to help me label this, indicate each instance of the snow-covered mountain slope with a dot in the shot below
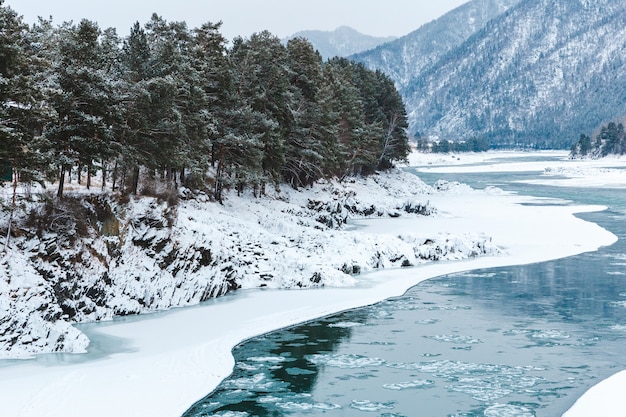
(89, 257)
(530, 72)
(540, 74)
(406, 57)
(342, 42)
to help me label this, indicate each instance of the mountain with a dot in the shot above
(404, 58)
(539, 74)
(343, 41)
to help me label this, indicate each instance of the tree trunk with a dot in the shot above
(218, 183)
(88, 177)
(114, 176)
(218, 175)
(13, 203)
(135, 185)
(104, 175)
(61, 182)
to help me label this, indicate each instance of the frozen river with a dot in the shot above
(514, 341)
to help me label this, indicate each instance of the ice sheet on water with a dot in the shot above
(445, 367)
(508, 410)
(257, 382)
(483, 382)
(588, 341)
(385, 311)
(397, 304)
(515, 332)
(248, 367)
(479, 274)
(346, 324)
(417, 384)
(446, 308)
(345, 361)
(480, 390)
(371, 406)
(427, 321)
(494, 387)
(301, 406)
(456, 339)
(269, 399)
(549, 337)
(456, 370)
(268, 359)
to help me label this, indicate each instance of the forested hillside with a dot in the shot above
(405, 58)
(177, 105)
(536, 75)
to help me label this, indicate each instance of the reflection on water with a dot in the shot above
(515, 341)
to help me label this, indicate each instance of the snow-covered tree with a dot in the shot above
(22, 109)
(305, 146)
(82, 100)
(261, 77)
(176, 104)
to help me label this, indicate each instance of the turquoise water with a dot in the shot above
(506, 342)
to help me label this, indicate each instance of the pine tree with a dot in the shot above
(304, 153)
(234, 132)
(81, 135)
(22, 108)
(357, 138)
(384, 109)
(22, 113)
(136, 61)
(261, 79)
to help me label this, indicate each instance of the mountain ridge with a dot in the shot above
(342, 42)
(537, 75)
(431, 40)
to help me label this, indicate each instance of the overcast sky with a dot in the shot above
(244, 17)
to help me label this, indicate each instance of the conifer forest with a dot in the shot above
(178, 106)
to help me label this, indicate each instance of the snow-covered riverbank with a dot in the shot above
(170, 360)
(91, 257)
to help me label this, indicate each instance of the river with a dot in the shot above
(509, 342)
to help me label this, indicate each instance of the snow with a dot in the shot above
(165, 362)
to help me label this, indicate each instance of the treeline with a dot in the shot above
(610, 141)
(178, 105)
(447, 146)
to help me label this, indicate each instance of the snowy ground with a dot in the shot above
(162, 364)
(607, 172)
